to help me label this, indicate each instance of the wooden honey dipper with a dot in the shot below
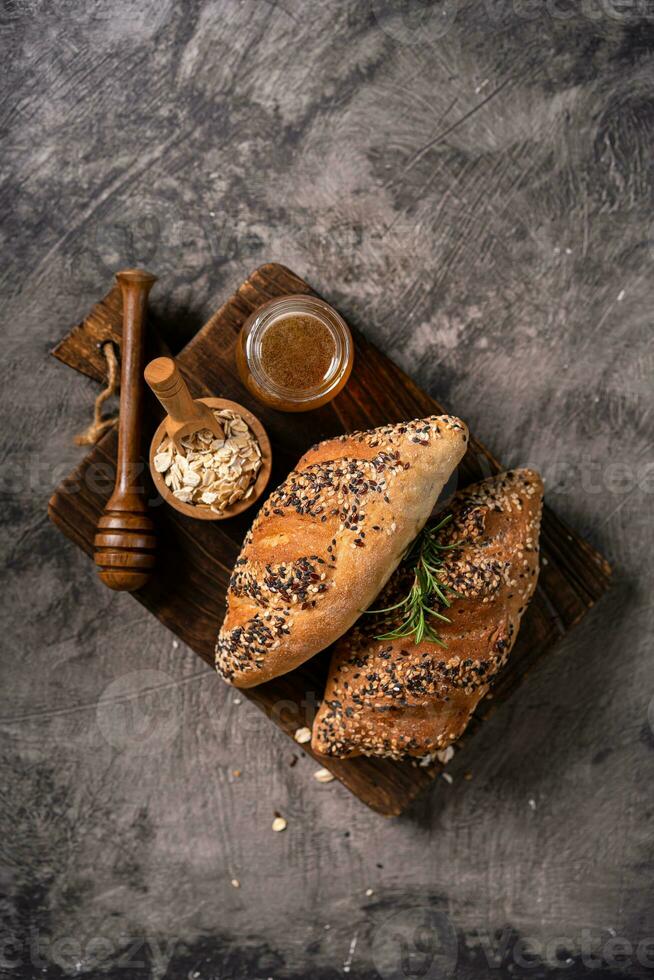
(124, 542)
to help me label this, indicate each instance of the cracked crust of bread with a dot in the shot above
(398, 699)
(326, 541)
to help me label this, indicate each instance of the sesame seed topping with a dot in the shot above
(370, 677)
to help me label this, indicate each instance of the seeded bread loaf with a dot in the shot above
(395, 698)
(326, 541)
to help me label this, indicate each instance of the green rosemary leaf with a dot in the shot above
(397, 605)
(424, 555)
(437, 615)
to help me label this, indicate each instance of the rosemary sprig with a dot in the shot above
(425, 554)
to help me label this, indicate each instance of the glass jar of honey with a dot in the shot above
(295, 353)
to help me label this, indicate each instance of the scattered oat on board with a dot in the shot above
(212, 472)
(323, 775)
(236, 883)
(278, 824)
(302, 735)
(446, 776)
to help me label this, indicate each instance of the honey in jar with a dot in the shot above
(295, 353)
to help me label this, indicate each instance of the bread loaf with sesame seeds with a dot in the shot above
(397, 699)
(326, 541)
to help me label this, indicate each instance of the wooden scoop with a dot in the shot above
(185, 415)
(124, 542)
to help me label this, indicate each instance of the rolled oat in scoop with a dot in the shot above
(212, 472)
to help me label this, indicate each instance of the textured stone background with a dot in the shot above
(471, 184)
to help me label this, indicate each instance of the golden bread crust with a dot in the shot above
(326, 541)
(395, 698)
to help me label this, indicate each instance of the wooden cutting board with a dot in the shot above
(196, 557)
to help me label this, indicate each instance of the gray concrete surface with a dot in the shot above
(471, 184)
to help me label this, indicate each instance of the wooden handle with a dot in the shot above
(169, 386)
(124, 542)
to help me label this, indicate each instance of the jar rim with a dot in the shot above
(281, 308)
